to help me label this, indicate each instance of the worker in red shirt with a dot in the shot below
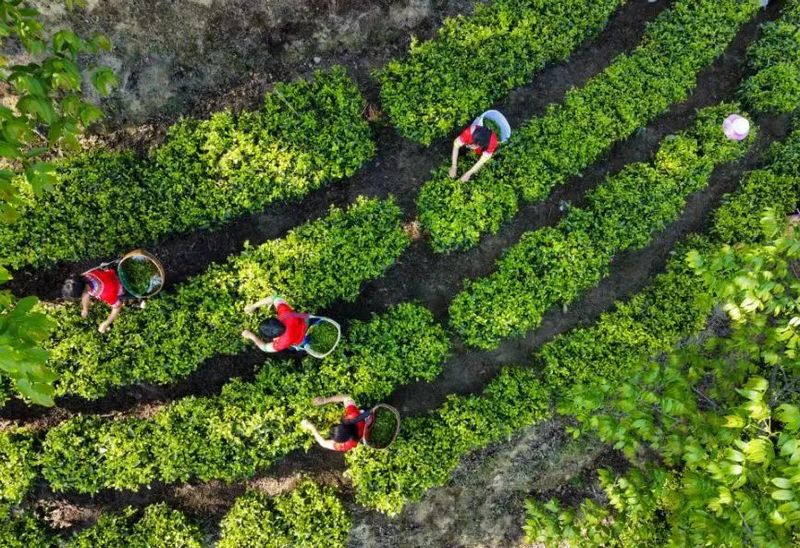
(100, 283)
(482, 141)
(348, 433)
(283, 332)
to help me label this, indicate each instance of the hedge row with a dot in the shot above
(312, 266)
(775, 86)
(548, 150)
(674, 305)
(251, 424)
(306, 134)
(555, 265)
(308, 516)
(475, 60)
(159, 526)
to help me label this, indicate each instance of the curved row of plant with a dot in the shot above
(309, 515)
(775, 86)
(251, 424)
(555, 265)
(313, 266)
(474, 60)
(675, 305)
(550, 149)
(306, 134)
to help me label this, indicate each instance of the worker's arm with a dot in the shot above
(308, 427)
(86, 301)
(485, 157)
(342, 398)
(111, 317)
(269, 301)
(262, 345)
(457, 144)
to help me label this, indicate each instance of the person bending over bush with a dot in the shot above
(482, 141)
(287, 330)
(349, 432)
(99, 283)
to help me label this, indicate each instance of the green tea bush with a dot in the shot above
(158, 526)
(474, 60)
(250, 425)
(22, 530)
(308, 516)
(306, 134)
(312, 266)
(550, 149)
(674, 306)
(652, 321)
(779, 186)
(429, 448)
(556, 265)
(775, 86)
(18, 468)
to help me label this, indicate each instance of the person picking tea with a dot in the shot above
(349, 432)
(482, 141)
(99, 283)
(287, 330)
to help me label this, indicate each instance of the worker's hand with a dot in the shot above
(465, 177)
(453, 172)
(319, 400)
(249, 309)
(247, 334)
(85, 313)
(103, 327)
(306, 425)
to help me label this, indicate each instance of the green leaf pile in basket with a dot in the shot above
(382, 431)
(323, 336)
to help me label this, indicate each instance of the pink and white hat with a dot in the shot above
(736, 127)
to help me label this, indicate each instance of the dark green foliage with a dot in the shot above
(158, 527)
(308, 516)
(775, 86)
(22, 530)
(633, 520)
(312, 266)
(474, 60)
(556, 265)
(250, 425)
(548, 150)
(305, 135)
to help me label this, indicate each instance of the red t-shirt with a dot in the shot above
(296, 327)
(466, 138)
(104, 285)
(352, 412)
